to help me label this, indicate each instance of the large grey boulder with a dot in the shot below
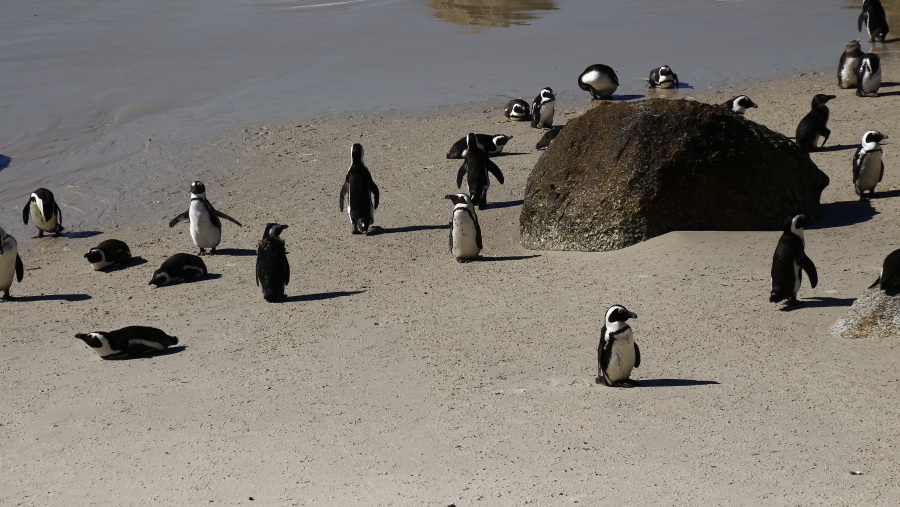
(875, 314)
(629, 171)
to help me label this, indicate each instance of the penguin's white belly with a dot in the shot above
(600, 82)
(666, 82)
(797, 279)
(869, 171)
(100, 265)
(848, 73)
(547, 112)
(465, 245)
(871, 82)
(8, 263)
(622, 358)
(203, 232)
(37, 217)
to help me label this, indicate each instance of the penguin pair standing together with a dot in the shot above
(849, 64)
(206, 228)
(788, 262)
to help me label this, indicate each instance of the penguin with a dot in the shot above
(10, 264)
(868, 168)
(600, 80)
(813, 125)
(617, 352)
(788, 260)
(272, 269)
(179, 268)
(875, 19)
(359, 184)
(206, 228)
(868, 76)
(889, 278)
(663, 77)
(44, 211)
(107, 253)
(475, 168)
(465, 232)
(739, 104)
(548, 138)
(131, 341)
(848, 64)
(491, 144)
(517, 110)
(542, 109)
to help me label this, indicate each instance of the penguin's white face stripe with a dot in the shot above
(105, 348)
(165, 276)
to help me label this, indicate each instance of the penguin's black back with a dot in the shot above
(272, 269)
(123, 339)
(359, 181)
(175, 264)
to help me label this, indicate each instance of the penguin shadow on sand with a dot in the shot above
(322, 296)
(818, 302)
(4, 161)
(674, 382)
(504, 258)
(837, 147)
(79, 234)
(844, 213)
(235, 252)
(376, 230)
(134, 261)
(503, 204)
(167, 352)
(623, 97)
(70, 298)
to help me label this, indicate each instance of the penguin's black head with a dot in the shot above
(90, 339)
(745, 102)
(873, 136)
(198, 188)
(458, 198)
(159, 278)
(618, 313)
(94, 255)
(501, 140)
(873, 61)
(796, 222)
(853, 46)
(665, 70)
(547, 94)
(356, 153)
(821, 99)
(273, 230)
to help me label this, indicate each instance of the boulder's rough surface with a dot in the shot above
(876, 314)
(626, 172)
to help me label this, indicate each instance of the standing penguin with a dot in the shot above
(542, 109)
(44, 211)
(107, 253)
(889, 278)
(813, 125)
(739, 104)
(663, 77)
(600, 80)
(475, 168)
(875, 19)
(130, 340)
(491, 144)
(617, 353)
(10, 264)
(868, 76)
(272, 269)
(359, 184)
(789, 259)
(465, 232)
(517, 110)
(850, 58)
(868, 168)
(206, 228)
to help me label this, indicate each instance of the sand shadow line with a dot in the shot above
(80, 234)
(504, 258)
(840, 214)
(377, 231)
(235, 252)
(168, 352)
(819, 302)
(675, 382)
(838, 147)
(319, 297)
(503, 204)
(52, 297)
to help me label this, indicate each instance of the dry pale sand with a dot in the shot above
(394, 376)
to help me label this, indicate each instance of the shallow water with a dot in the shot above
(89, 85)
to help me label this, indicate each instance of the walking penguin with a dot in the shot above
(465, 232)
(358, 185)
(475, 168)
(44, 212)
(617, 353)
(875, 19)
(206, 228)
(788, 261)
(272, 270)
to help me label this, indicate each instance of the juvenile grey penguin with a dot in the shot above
(44, 212)
(868, 168)
(358, 184)
(739, 104)
(179, 268)
(875, 19)
(206, 228)
(542, 109)
(475, 168)
(548, 138)
(617, 352)
(465, 232)
(600, 80)
(517, 110)
(491, 144)
(663, 77)
(10, 264)
(813, 125)
(788, 260)
(848, 64)
(889, 278)
(108, 253)
(130, 340)
(868, 76)
(272, 270)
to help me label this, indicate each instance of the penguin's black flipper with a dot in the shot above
(226, 217)
(287, 271)
(181, 217)
(451, 236)
(600, 355)
(881, 174)
(25, 211)
(459, 175)
(375, 194)
(20, 269)
(676, 79)
(637, 355)
(807, 264)
(344, 190)
(258, 252)
(876, 282)
(825, 133)
(478, 233)
(493, 169)
(860, 20)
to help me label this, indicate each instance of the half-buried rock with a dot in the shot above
(625, 172)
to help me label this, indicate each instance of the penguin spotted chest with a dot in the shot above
(617, 352)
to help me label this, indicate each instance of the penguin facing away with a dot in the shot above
(868, 167)
(272, 269)
(789, 259)
(548, 138)
(875, 20)
(868, 76)
(130, 340)
(739, 104)
(108, 253)
(179, 268)
(889, 278)
(600, 80)
(542, 109)
(517, 110)
(813, 125)
(617, 352)
(44, 212)
(663, 77)
(848, 64)
(358, 184)
(491, 144)
(206, 228)
(10, 264)
(465, 232)
(475, 168)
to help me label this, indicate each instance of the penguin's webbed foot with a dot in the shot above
(871, 194)
(202, 251)
(792, 302)
(598, 380)
(355, 231)
(212, 251)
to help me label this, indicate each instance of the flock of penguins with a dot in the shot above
(617, 352)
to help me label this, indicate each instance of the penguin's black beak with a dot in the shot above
(632, 315)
